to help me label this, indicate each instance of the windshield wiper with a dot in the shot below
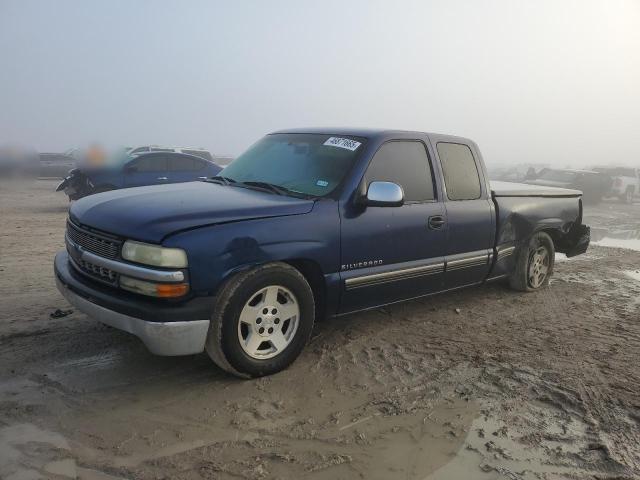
(277, 189)
(265, 186)
(219, 179)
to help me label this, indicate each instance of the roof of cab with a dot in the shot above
(370, 133)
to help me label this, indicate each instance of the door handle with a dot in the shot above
(436, 222)
(162, 178)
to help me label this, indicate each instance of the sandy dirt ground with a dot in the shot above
(484, 383)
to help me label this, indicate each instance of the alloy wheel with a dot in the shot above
(268, 322)
(538, 267)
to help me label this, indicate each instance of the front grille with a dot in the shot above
(92, 242)
(95, 271)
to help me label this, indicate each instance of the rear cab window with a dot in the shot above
(461, 176)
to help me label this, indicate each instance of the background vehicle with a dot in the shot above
(198, 152)
(56, 164)
(625, 182)
(18, 163)
(145, 169)
(594, 185)
(516, 173)
(303, 224)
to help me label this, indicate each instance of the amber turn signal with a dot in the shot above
(170, 290)
(152, 289)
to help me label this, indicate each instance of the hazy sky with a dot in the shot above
(539, 81)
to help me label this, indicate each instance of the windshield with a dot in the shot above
(557, 176)
(312, 164)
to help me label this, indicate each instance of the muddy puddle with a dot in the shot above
(633, 274)
(496, 449)
(28, 452)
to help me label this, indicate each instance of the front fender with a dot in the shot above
(218, 251)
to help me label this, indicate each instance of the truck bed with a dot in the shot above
(509, 189)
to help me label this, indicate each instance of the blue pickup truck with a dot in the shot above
(304, 224)
(156, 168)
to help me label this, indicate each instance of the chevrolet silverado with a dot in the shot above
(306, 223)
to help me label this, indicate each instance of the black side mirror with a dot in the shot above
(130, 169)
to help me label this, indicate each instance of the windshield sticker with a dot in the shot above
(322, 183)
(342, 143)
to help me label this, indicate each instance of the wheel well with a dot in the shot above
(561, 241)
(313, 273)
(554, 234)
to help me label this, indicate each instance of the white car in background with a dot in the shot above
(198, 152)
(625, 181)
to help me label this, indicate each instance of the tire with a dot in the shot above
(534, 264)
(247, 337)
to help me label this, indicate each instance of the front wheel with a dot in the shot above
(534, 264)
(261, 321)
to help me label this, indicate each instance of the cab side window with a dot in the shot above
(406, 163)
(461, 175)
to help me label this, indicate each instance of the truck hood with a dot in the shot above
(149, 214)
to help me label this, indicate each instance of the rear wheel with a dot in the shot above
(534, 264)
(261, 321)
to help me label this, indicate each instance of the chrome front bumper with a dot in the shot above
(161, 338)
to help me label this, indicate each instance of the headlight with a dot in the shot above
(154, 255)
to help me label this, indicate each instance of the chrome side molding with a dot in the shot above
(393, 276)
(475, 261)
(477, 258)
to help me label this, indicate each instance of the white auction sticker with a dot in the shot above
(342, 143)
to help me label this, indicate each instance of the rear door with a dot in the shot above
(470, 215)
(394, 253)
(148, 169)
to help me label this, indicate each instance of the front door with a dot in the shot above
(394, 253)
